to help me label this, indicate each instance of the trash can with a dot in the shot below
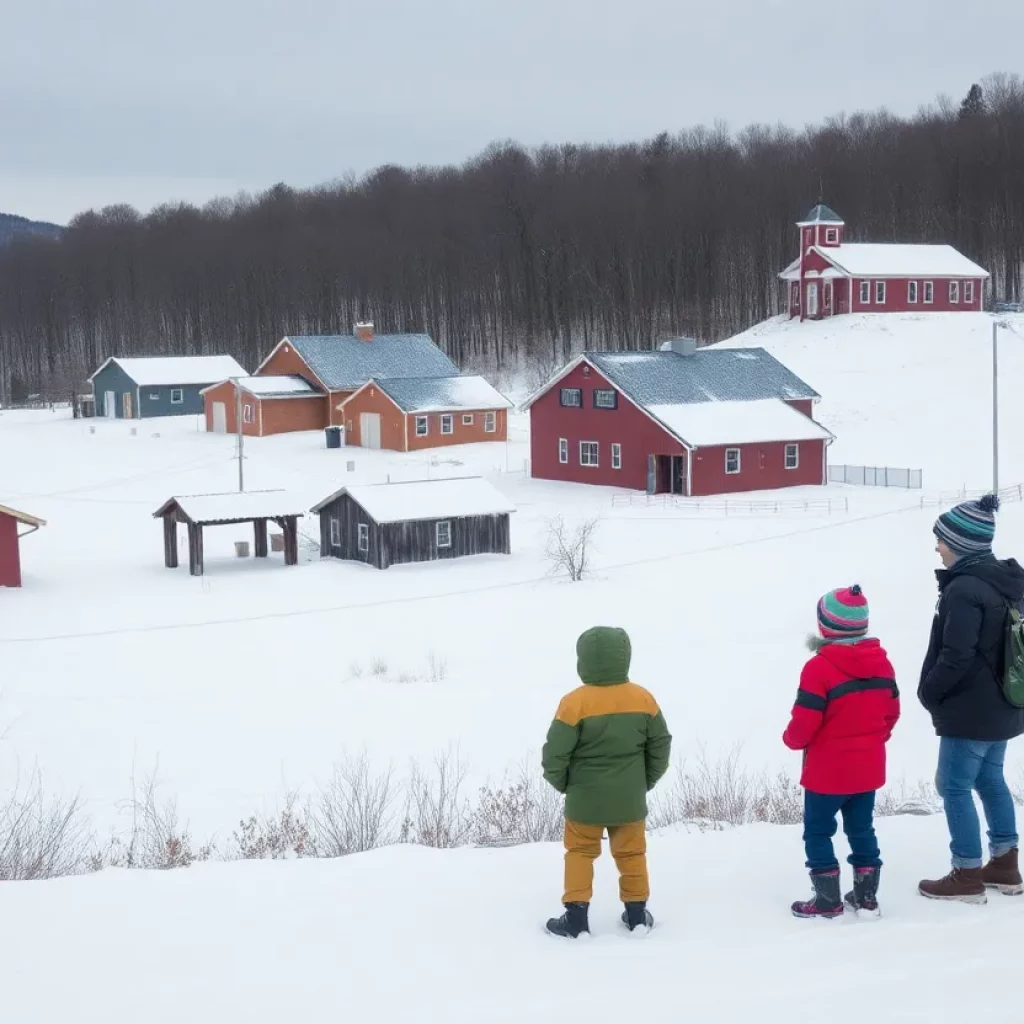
(333, 436)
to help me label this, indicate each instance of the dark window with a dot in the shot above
(335, 533)
(364, 537)
(929, 292)
(616, 456)
(447, 424)
(444, 534)
(792, 456)
(732, 461)
(588, 453)
(880, 293)
(572, 398)
(563, 450)
(606, 399)
(865, 292)
(911, 291)
(422, 425)
(177, 396)
(467, 419)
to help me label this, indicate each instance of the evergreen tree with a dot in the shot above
(973, 104)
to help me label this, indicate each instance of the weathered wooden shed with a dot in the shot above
(11, 520)
(415, 521)
(197, 511)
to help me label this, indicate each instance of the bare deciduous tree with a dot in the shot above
(569, 547)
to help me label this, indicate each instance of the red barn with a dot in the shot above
(10, 542)
(832, 276)
(681, 420)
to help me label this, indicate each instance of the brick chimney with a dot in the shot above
(364, 330)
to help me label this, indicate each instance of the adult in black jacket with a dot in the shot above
(961, 687)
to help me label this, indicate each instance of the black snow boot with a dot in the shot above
(827, 902)
(864, 898)
(572, 923)
(637, 918)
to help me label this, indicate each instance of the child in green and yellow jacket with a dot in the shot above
(606, 749)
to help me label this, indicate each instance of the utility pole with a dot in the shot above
(995, 406)
(241, 435)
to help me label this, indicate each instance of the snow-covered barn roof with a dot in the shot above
(884, 260)
(343, 362)
(451, 498)
(156, 371)
(272, 387)
(440, 394)
(234, 506)
(704, 424)
(708, 375)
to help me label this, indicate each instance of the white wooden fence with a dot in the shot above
(1007, 495)
(876, 476)
(729, 507)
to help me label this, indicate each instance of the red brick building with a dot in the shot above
(681, 420)
(831, 276)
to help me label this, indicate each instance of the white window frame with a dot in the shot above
(335, 532)
(831, 236)
(571, 391)
(880, 293)
(447, 420)
(597, 454)
(795, 450)
(865, 286)
(467, 419)
(954, 293)
(929, 292)
(912, 292)
(606, 391)
(424, 422)
(616, 455)
(447, 541)
(739, 461)
(969, 292)
(248, 413)
(363, 538)
(180, 392)
(490, 422)
(563, 451)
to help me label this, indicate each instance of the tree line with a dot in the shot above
(518, 254)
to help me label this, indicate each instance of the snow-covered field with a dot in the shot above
(256, 679)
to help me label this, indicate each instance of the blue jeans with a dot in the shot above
(858, 823)
(966, 767)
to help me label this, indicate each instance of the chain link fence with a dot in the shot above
(876, 476)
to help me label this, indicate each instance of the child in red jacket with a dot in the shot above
(845, 711)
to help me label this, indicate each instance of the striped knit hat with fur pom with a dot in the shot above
(843, 614)
(970, 528)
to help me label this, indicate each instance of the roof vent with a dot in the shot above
(363, 330)
(681, 346)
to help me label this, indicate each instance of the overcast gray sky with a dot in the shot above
(137, 101)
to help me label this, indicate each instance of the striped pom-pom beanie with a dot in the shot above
(969, 528)
(843, 614)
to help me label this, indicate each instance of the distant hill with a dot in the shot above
(12, 226)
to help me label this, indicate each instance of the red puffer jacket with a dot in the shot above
(845, 711)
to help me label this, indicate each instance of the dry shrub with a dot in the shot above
(42, 837)
(281, 837)
(568, 549)
(721, 793)
(157, 840)
(354, 812)
(436, 813)
(526, 810)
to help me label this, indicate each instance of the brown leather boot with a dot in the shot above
(961, 884)
(1002, 873)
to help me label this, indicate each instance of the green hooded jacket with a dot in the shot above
(608, 744)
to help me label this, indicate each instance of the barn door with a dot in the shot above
(369, 429)
(652, 474)
(110, 404)
(812, 299)
(220, 418)
(127, 396)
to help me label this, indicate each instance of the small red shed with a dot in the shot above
(10, 543)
